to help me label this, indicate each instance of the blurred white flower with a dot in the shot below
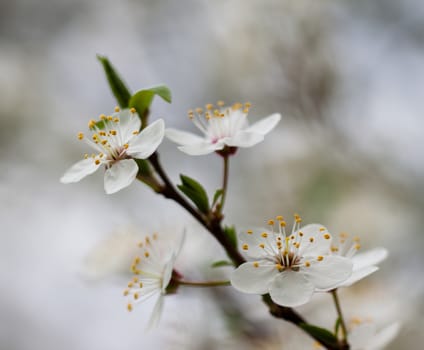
(364, 263)
(222, 126)
(366, 336)
(289, 267)
(117, 141)
(153, 271)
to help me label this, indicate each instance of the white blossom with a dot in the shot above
(117, 142)
(153, 270)
(222, 127)
(290, 267)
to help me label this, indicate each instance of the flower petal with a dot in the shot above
(79, 170)
(156, 313)
(200, 149)
(245, 139)
(291, 289)
(265, 125)
(144, 144)
(384, 337)
(357, 275)
(315, 241)
(360, 336)
(183, 137)
(369, 258)
(120, 175)
(250, 243)
(128, 123)
(328, 273)
(248, 278)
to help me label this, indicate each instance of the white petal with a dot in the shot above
(144, 144)
(319, 246)
(156, 313)
(128, 123)
(79, 170)
(265, 125)
(120, 175)
(201, 149)
(245, 139)
(384, 337)
(328, 273)
(183, 137)
(369, 258)
(291, 289)
(254, 239)
(255, 280)
(357, 275)
(167, 273)
(360, 336)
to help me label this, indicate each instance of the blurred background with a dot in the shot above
(348, 78)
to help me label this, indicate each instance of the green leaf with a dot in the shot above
(222, 263)
(216, 196)
(117, 85)
(142, 99)
(231, 233)
(322, 334)
(195, 191)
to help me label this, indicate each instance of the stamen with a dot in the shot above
(320, 258)
(117, 109)
(129, 307)
(133, 110)
(80, 136)
(327, 236)
(245, 246)
(255, 264)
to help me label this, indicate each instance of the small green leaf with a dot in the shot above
(222, 263)
(216, 196)
(142, 100)
(322, 334)
(117, 85)
(195, 191)
(231, 233)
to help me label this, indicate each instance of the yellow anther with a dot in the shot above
(357, 246)
(298, 219)
(104, 142)
(282, 223)
(80, 136)
(271, 222)
(140, 284)
(300, 233)
(220, 103)
(126, 146)
(279, 267)
(297, 245)
(356, 239)
(279, 218)
(102, 117)
(97, 162)
(248, 105)
(101, 155)
(146, 254)
(116, 120)
(311, 239)
(237, 106)
(216, 113)
(264, 234)
(249, 232)
(126, 292)
(137, 272)
(255, 264)
(245, 246)
(136, 296)
(110, 118)
(133, 110)
(129, 307)
(199, 110)
(91, 123)
(135, 279)
(208, 115)
(292, 237)
(246, 110)
(135, 132)
(102, 133)
(322, 229)
(262, 245)
(222, 115)
(209, 106)
(147, 240)
(279, 244)
(130, 285)
(334, 249)
(85, 156)
(320, 258)
(137, 260)
(117, 109)
(307, 263)
(140, 244)
(113, 132)
(327, 236)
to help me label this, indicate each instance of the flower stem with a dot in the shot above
(224, 180)
(204, 284)
(339, 312)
